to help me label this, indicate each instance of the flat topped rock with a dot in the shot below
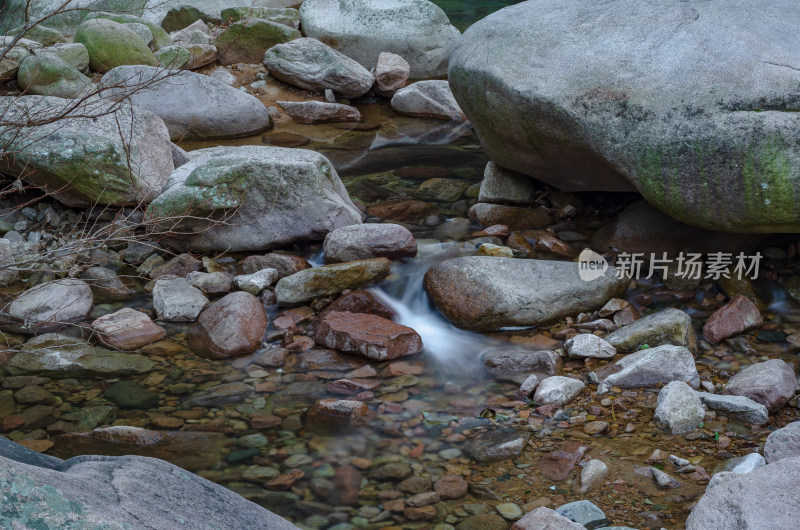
(486, 293)
(370, 336)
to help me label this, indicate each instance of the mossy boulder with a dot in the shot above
(47, 74)
(111, 44)
(247, 41)
(187, 57)
(74, 54)
(109, 155)
(41, 34)
(56, 355)
(682, 103)
(160, 37)
(64, 20)
(286, 16)
(269, 197)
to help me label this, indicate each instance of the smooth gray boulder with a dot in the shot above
(679, 409)
(53, 13)
(267, 196)
(485, 293)
(417, 30)
(739, 408)
(670, 326)
(587, 345)
(192, 105)
(10, 63)
(545, 518)
(783, 443)
(650, 367)
(47, 74)
(92, 154)
(313, 65)
(557, 92)
(174, 15)
(116, 492)
(428, 99)
(50, 306)
(502, 186)
(370, 240)
(764, 498)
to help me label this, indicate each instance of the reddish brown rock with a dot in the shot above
(517, 241)
(336, 413)
(515, 218)
(421, 513)
(735, 317)
(500, 231)
(545, 240)
(558, 465)
(349, 387)
(391, 74)
(179, 266)
(370, 336)
(403, 210)
(285, 482)
(127, 329)
(264, 421)
(347, 480)
(360, 301)
(451, 487)
(285, 264)
(231, 326)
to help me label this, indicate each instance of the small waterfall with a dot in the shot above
(455, 350)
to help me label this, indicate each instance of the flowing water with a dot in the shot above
(427, 410)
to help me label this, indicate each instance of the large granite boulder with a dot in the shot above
(54, 15)
(92, 154)
(416, 30)
(49, 306)
(485, 293)
(192, 105)
(683, 102)
(267, 196)
(115, 493)
(764, 498)
(47, 74)
(174, 15)
(247, 41)
(111, 44)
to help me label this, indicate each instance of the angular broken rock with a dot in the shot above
(670, 326)
(391, 74)
(285, 264)
(336, 413)
(233, 325)
(516, 365)
(527, 387)
(176, 300)
(318, 282)
(127, 329)
(589, 345)
(256, 282)
(679, 409)
(545, 518)
(735, 317)
(496, 446)
(771, 383)
(557, 390)
(739, 408)
(367, 335)
(650, 367)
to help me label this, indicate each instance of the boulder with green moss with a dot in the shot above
(42, 34)
(47, 74)
(74, 54)
(108, 155)
(683, 103)
(188, 57)
(267, 196)
(56, 16)
(286, 16)
(160, 37)
(246, 41)
(111, 44)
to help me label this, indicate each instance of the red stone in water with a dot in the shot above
(371, 336)
(558, 464)
(735, 317)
